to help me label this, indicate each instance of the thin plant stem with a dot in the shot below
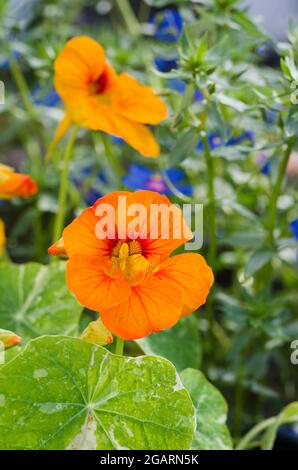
(260, 427)
(239, 397)
(24, 92)
(60, 216)
(113, 160)
(272, 216)
(175, 190)
(255, 431)
(119, 346)
(211, 205)
(129, 17)
(212, 251)
(21, 86)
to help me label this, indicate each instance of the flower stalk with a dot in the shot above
(119, 346)
(60, 216)
(272, 216)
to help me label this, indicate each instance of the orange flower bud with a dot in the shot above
(97, 333)
(15, 184)
(58, 249)
(9, 339)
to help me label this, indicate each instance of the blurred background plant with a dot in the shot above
(230, 143)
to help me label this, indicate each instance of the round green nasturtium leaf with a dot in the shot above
(65, 393)
(211, 408)
(34, 300)
(180, 344)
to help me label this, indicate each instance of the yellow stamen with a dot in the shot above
(123, 256)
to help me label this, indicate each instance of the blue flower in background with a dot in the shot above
(165, 64)
(294, 229)
(271, 116)
(50, 99)
(168, 24)
(179, 85)
(265, 164)
(265, 169)
(5, 64)
(140, 177)
(246, 135)
(215, 140)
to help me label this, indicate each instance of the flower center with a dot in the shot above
(98, 86)
(129, 258)
(156, 183)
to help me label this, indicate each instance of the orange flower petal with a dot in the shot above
(151, 307)
(58, 249)
(168, 231)
(80, 236)
(82, 60)
(138, 102)
(99, 116)
(190, 274)
(137, 135)
(92, 286)
(15, 184)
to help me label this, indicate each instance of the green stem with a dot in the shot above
(175, 190)
(129, 17)
(113, 159)
(272, 216)
(119, 346)
(60, 216)
(212, 250)
(21, 85)
(256, 430)
(24, 92)
(239, 397)
(211, 199)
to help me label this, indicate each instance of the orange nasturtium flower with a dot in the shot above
(98, 98)
(130, 278)
(15, 184)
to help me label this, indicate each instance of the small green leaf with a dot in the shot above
(232, 102)
(185, 146)
(65, 393)
(257, 261)
(180, 344)
(34, 300)
(211, 409)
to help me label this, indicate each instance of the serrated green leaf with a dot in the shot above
(180, 344)
(65, 393)
(211, 408)
(35, 301)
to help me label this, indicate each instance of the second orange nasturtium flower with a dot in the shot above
(15, 184)
(97, 98)
(133, 282)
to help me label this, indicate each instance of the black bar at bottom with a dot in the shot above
(132, 459)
